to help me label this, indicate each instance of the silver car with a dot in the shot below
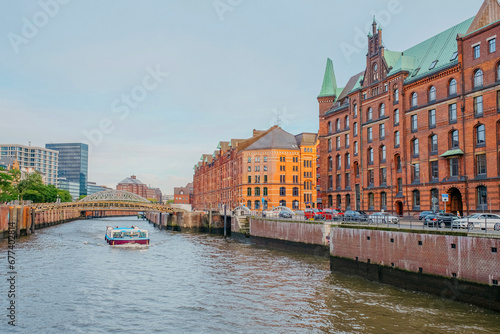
(478, 220)
(382, 218)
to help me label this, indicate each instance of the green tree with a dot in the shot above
(7, 191)
(64, 195)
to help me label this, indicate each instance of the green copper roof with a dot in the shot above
(391, 57)
(418, 59)
(329, 87)
(451, 153)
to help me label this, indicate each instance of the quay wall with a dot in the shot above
(312, 233)
(189, 221)
(455, 266)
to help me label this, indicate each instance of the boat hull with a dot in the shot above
(131, 241)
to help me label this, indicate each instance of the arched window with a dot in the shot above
(346, 124)
(348, 160)
(257, 191)
(454, 139)
(382, 110)
(398, 163)
(329, 127)
(416, 200)
(400, 185)
(355, 110)
(249, 204)
(432, 94)
(433, 144)
(249, 191)
(348, 202)
(396, 139)
(482, 197)
(414, 99)
(338, 125)
(498, 72)
(355, 130)
(330, 201)
(295, 191)
(452, 88)
(356, 168)
(369, 114)
(257, 204)
(330, 163)
(415, 147)
(265, 191)
(339, 162)
(395, 94)
(295, 205)
(383, 200)
(339, 202)
(282, 191)
(478, 78)
(370, 155)
(355, 148)
(371, 201)
(480, 135)
(264, 205)
(396, 117)
(382, 154)
(282, 202)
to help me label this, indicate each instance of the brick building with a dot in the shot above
(412, 125)
(135, 186)
(184, 195)
(269, 169)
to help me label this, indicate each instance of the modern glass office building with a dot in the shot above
(73, 163)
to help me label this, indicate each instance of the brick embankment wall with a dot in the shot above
(188, 221)
(303, 232)
(455, 266)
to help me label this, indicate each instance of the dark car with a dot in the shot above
(442, 219)
(285, 214)
(423, 214)
(356, 216)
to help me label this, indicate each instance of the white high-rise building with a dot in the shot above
(34, 158)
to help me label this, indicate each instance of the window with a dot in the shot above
(454, 56)
(382, 110)
(337, 127)
(478, 106)
(481, 164)
(480, 135)
(330, 182)
(265, 178)
(282, 202)
(355, 112)
(249, 168)
(416, 172)
(347, 180)
(396, 117)
(264, 192)
(257, 191)
(371, 200)
(339, 201)
(355, 148)
(370, 155)
(369, 114)
(249, 159)
(434, 170)
(295, 191)
(477, 51)
(433, 64)
(330, 163)
(249, 191)
(346, 125)
(329, 144)
(346, 141)
(482, 197)
(492, 45)
(257, 159)
(348, 160)
(454, 139)
(339, 162)
(355, 129)
(398, 163)
(396, 96)
(382, 131)
(453, 167)
(414, 123)
(432, 94)
(265, 168)
(396, 139)
(498, 72)
(295, 205)
(383, 200)
(337, 143)
(257, 204)
(338, 181)
(382, 154)
(416, 199)
(329, 127)
(400, 185)
(383, 176)
(265, 158)
(249, 204)
(282, 191)
(249, 179)
(433, 144)
(414, 99)
(478, 79)
(452, 112)
(452, 88)
(432, 118)
(415, 147)
(356, 168)
(369, 134)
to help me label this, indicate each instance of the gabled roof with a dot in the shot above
(488, 14)
(130, 180)
(329, 87)
(275, 137)
(307, 139)
(353, 81)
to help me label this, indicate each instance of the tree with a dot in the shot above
(7, 192)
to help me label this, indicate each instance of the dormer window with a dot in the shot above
(454, 56)
(433, 64)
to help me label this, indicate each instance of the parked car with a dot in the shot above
(331, 214)
(285, 214)
(423, 214)
(478, 220)
(310, 213)
(442, 219)
(357, 216)
(382, 218)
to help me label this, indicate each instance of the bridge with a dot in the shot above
(108, 200)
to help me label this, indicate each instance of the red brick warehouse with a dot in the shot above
(412, 125)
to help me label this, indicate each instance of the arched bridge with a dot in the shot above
(108, 200)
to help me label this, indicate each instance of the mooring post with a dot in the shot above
(225, 220)
(33, 220)
(210, 217)
(159, 221)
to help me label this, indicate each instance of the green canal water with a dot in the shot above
(68, 280)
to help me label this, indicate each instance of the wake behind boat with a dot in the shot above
(126, 235)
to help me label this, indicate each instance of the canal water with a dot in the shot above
(69, 280)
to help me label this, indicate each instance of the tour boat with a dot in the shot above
(126, 235)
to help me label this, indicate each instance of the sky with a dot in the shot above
(151, 85)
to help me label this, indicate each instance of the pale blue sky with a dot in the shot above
(229, 70)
